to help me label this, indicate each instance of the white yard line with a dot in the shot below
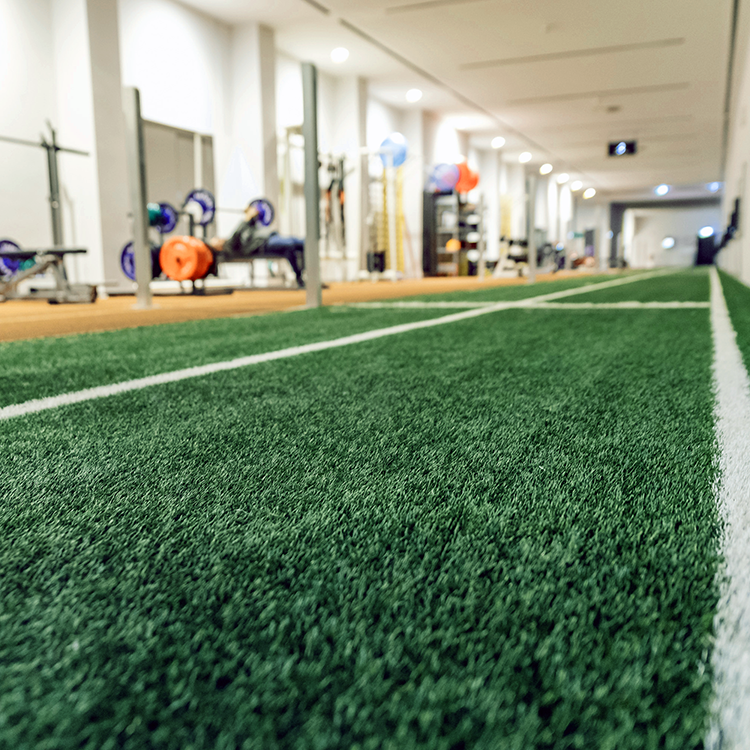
(102, 391)
(622, 305)
(730, 728)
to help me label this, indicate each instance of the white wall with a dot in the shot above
(644, 230)
(735, 258)
(27, 89)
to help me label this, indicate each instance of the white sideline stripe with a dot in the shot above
(730, 727)
(102, 391)
(622, 305)
(538, 306)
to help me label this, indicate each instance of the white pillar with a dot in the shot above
(490, 170)
(253, 120)
(89, 117)
(414, 178)
(553, 211)
(350, 137)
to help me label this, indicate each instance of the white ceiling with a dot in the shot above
(565, 76)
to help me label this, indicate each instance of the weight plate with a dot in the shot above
(9, 266)
(127, 261)
(203, 200)
(265, 211)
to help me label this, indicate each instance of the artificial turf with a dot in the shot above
(683, 286)
(521, 291)
(737, 297)
(49, 366)
(500, 533)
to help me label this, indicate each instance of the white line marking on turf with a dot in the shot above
(102, 391)
(730, 728)
(623, 305)
(540, 305)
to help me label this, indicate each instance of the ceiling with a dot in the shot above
(561, 80)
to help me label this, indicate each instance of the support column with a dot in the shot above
(350, 139)
(531, 224)
(253, 121)
(131, 104)
(313, 293)
(94, 190)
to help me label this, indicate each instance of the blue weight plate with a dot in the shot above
(169, 218)
(265, 211)
(9, 266)
(205, 199)
(127, 261)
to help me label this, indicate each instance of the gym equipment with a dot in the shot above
(393, 150)
(265, 211)
(9, 265)
(467, 180)
(163, 217)
(52, 149)
(33, 262)
(127, 261)
(186, 258)
(200, 206)
(445, 177)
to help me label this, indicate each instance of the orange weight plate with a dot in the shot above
(184, 258)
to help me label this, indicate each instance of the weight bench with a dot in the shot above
(46, 259)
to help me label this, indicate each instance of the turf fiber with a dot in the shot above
(685, 286)
(500, 533)
(737, 296)
(48, 366)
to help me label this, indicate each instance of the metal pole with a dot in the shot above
(531, 213)
(131, 104)
(54, 190)
(480, 227)
(390, 186)
(313, 293)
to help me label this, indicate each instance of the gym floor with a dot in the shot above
(495, 526)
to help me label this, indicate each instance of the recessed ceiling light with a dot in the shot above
(498, 142)
(575, 186)
(668, 243)
(706, 232)
(525, 157)
(590, 193)
(340, 54)
(714, 187)
(545, 168)
(562, 178)
(413, 95)
(662, 189)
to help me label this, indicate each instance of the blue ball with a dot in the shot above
(394, 144)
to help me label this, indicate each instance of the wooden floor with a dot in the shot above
(24, 319)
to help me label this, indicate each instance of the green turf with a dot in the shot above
(520, 291)
(684, 286)
(737, 296)
(44, 367)
(499, 533)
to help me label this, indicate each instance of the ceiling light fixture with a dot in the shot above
(413, 95)
(662, 189)
(714, 187)
(545, 169)
(576, 186)
(589, 193)
(340, 55)
(498, 142)
(668, 243)
(525, 157)
(562, 178)
(706, 232)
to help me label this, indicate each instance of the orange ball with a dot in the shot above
(184, 258)
(467, 178)
(453, 245)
